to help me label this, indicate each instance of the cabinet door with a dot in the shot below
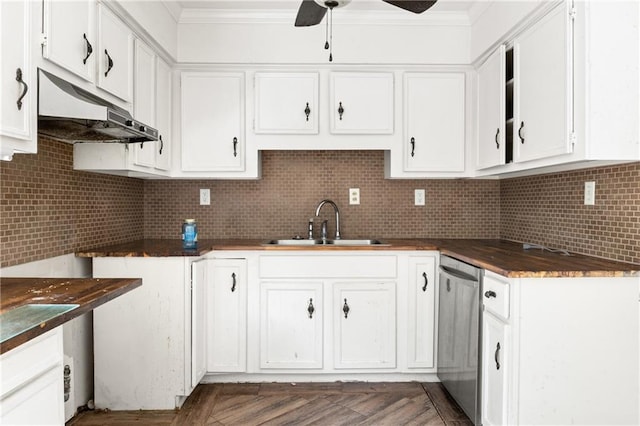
(163, 114)
(212, 122)
(361, 103)
(70, 36)
(491, 110)
(291, 325)
(31, 386)
(286, 103)
(421, 312)
(17, 80)
(115, 55)
(198, 321)
(495, 359)
(227, 316)
(144, 100)
(364, 316)
(434, 136)
(543, 88)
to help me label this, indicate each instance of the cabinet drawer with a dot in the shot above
(31, 360)
(495, 297)
(328, 266)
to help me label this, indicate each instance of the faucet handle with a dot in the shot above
(310, 229)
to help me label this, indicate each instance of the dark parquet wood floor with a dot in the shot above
(298, 404)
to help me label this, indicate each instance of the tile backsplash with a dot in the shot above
(550, 210)
(294, 182)
(48, 209)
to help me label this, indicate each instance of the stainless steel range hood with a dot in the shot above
(69, 113)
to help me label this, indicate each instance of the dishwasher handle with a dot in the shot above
(454, 273)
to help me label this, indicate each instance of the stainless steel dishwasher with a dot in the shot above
(459, 328)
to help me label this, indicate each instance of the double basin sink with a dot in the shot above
(321, 242)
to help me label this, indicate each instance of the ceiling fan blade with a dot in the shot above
(412, 5)
(310, 13)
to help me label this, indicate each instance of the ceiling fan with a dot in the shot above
(311, 12)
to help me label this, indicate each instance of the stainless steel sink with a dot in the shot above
(356, 243)
(319, 242)
(293, 242)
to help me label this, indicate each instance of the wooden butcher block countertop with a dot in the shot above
(506, 258)
(87, 293)
(509, 259)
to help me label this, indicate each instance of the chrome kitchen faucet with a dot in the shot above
(335, 208)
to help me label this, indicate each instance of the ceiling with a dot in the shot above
(278, 11)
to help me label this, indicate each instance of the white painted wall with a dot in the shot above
(353, 43)
(77, 333)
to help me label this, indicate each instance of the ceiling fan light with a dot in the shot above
(332, 3)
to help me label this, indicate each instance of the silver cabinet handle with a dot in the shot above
(233, 282)
(495, 356)
(426, 281)
(345, 308)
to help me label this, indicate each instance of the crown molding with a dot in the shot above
(341, 16)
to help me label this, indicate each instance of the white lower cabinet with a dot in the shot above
(549, 343)
(421, 312)
(291, 327)
(330, 313)
(31, 385)
(143, 339)
(364, 332)
(226, 315)
(494, 384)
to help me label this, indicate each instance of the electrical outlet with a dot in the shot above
(354, 195)
(589, 193)
(420, 197)
(205, 197)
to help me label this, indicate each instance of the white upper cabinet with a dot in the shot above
(286, 103)
(18, 110)
(212, 110)
(114, 55)
(70, 37)
(164, 116)
(543, 97)
(361, 103)
(434, 120)
(491, 111)
(144, 106)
